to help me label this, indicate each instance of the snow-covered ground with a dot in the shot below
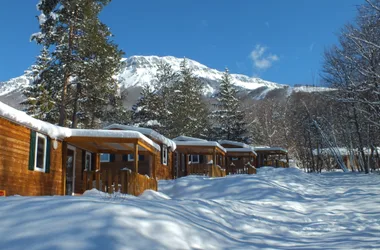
(275, 209)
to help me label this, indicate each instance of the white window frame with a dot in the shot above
(192, 159)
(131, 157)
(164, 155)
(44, 137)
(85, 159)
(108, 159)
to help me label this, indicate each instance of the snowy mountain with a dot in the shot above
(140, 70)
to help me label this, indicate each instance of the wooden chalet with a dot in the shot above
(38, 158)
(195, 156)
(164, 160)
(240, 157)
(272, 156)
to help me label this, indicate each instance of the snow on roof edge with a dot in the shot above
(187, 138)
(201, 143)
(146, 131)
(57, 132)
(241, 150)
(270, 148)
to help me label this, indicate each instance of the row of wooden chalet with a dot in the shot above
(38, 158)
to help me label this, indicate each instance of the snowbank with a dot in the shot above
(275, 209)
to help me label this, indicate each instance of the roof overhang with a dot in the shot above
(271, 150)
(200, 147)
(110, 141)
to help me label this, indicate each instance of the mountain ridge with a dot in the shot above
(139, 70)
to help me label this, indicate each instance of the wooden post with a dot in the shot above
(136, 157)
(64, 167)
(97, 162)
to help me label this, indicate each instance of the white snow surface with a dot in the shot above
(275, 209)
(187, 138)
(147, 132)
(234, 143)
(249, 150)
(200, 143)
(57, 132)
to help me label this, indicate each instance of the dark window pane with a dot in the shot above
(40, 152)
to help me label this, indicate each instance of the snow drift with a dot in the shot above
(275, 209)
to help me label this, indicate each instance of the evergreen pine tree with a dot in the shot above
(83, 59)
(40, 102)
(230, 118)
(189, 113)
(145, 112)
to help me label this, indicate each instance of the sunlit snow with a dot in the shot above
(275, 209)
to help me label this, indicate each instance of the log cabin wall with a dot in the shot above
(164, 172)
(15, 176)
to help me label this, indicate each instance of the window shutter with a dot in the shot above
(112, 157)
(47, 157)
(32, 150)
(125, 157)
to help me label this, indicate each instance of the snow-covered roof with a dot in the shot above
(265, 148)
(201, 143)
(57, 132)
(234, 143)
(187, 138)
(148, 132)
(26, 120)
(101, 133)
(245, 150)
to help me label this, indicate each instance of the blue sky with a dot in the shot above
(277, 40)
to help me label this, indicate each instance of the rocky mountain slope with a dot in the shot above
(140, 70)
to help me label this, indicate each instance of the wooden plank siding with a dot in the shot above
(163, 172)
(15, 177)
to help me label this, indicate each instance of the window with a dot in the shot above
(131, 157)
(40, 153)
(234, 158)
(194, 158)
(105, 158)
(87, 161)
(164, 155)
